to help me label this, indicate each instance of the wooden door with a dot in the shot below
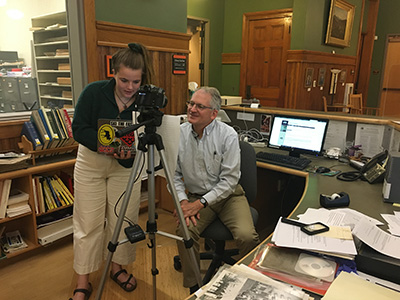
(390, 94)
(265, 42)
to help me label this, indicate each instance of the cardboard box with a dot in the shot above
(231, 100)
(64, 66)
(67, 94)
(64, 80)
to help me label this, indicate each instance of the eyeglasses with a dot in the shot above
(199, 106)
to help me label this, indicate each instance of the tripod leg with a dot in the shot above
(112, 245)
(186, 236)
(151, 223)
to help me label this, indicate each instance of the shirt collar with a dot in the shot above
(207, 130)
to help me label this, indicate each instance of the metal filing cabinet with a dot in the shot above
(28, 93)
(11, 94)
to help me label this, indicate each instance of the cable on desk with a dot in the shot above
(349, 176)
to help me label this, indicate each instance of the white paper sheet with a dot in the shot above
(370, 138)
(377, 239)
(348, 286)
(335, 136)
(286, 235)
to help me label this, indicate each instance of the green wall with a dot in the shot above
(310, 18)
(388, 23)
(232, 37)
(310, 22)
(159, 14)
(212, 10)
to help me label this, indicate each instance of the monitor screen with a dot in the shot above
(298, 135)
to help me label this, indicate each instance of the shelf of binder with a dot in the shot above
(26, 146)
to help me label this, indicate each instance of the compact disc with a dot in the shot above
(315, 266)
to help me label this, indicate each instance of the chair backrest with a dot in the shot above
(248, 169)
(356, 104)
(325, 104)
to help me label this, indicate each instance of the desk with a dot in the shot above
(364, 197)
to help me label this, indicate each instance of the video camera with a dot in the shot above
(150, 96)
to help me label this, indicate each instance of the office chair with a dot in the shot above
(216, 234)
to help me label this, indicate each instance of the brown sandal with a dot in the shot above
(87, 292)
(124, 285)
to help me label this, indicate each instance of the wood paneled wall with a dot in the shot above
(161, 44)
(297, 95)
(10, 135)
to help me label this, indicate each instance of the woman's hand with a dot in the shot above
(122, 155)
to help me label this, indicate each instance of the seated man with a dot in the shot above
(208, 168)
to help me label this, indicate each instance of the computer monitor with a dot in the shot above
(298, 135)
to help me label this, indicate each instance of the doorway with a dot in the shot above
(390, 87)
(199, 50)
(265, 42)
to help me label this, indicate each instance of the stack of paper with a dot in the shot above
(286, 235)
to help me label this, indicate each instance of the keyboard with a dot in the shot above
(298, 163)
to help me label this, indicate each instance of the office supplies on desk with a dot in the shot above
(286, 235)
(283, 264)
(310, 229)
(298, 163)
(335, 200)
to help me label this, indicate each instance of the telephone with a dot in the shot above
(374, 170)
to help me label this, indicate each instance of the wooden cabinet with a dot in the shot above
(52, 60)
(22, 179)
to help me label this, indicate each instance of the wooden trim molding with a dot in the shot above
(231, 58)
(320, 57)
(108, 32)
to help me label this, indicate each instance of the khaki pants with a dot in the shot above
(234, 212)
(99, 181)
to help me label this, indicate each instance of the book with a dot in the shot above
(61, 192)
(35, 196)
(58, 127)
(47, 195)
(56, 141)
(4, 197)
(46, 126)
(37, 122)
(17, 196)
(63, 188)
(18, 209)
(68, 139)
(29, 131)
(68, 182)
(67, 123)
(107, 141)
(54, 195)
(39, 194)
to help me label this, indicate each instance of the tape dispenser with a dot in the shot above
(335, 200)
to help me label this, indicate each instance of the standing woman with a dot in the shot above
(99, 180)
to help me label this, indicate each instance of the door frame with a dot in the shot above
(247, 18)
(205, 47)
(382, 101)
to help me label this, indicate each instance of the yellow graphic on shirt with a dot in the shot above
(106, 134)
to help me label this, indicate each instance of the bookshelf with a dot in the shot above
(52, 60)
(22, 179)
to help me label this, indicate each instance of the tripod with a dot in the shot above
(150, 138)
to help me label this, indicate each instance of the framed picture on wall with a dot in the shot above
(309, 77)
(343, 76)
(340, 23)
(321, 76)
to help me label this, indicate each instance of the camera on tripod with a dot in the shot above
(150, 96)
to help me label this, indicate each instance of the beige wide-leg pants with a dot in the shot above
(99, 181)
